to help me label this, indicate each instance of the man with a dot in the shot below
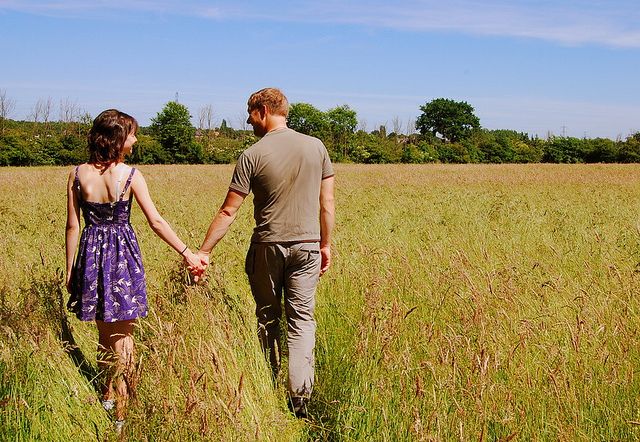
(292, 180)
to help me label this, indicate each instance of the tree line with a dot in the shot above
(446, 131)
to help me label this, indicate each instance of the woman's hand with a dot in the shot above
(68, 282)
(196, 264)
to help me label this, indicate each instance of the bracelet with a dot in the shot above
(185, 249)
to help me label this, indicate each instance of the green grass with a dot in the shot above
(464, 303)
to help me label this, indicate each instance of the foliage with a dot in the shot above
(423, 152)
(173, 129)
(14, 151)
(307, 119)
(600, 150)
(148, 150)
(223, 150)
(29, 146)
(335, 127)
(506, 146)
(449, 133)
(630, 150)
(453, 153)
(374, 149)
(453, 120)
(342, 122)
(564, 150)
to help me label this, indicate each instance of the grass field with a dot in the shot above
(470, 302)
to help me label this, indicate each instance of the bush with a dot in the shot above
(629, 151)
(14, 151)
(453, 153)
(149, 151)
(421, 153)
(564, 150)
(600, 150)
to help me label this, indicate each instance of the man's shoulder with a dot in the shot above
(287, 136)
(299, 135)
(304, 141)
(255, 149)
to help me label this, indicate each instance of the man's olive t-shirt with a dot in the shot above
(284, 170)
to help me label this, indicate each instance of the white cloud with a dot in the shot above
(571, 22)
(610, 23)
(80, 8)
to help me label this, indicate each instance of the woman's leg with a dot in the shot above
(106, 361)
(117, 339)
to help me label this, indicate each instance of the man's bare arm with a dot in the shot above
(327, 221)
(221, 222)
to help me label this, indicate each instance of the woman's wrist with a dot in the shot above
(186, 247)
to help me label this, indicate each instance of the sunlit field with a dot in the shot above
(470, 302)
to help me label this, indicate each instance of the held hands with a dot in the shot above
(204, 260)
(196, 264)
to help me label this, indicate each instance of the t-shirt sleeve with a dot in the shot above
(241, 179)
(327, 167)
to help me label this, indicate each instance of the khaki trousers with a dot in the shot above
(292, 269)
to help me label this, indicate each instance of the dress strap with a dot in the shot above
(76, 182)
(127, 184)
(120, 178)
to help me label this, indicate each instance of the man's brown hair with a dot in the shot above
(272, 98)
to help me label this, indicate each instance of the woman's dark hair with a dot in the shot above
(107, 136)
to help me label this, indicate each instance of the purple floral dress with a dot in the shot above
(108, 281)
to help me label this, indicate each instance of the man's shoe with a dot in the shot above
(298, 406)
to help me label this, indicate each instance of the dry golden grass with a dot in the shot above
(471, 302)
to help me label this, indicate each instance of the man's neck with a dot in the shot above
(275, 122)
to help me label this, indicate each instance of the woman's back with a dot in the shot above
(101, 194)
(103, 186)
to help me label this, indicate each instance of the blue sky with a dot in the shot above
(562, 67)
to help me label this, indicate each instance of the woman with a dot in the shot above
(107, 281)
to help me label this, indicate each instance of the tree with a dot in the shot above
(68, 111)
(306, 119)
(225, 130)
(629, 151)
(564, 150)
(6, 107)
(601, 150)
(396, 124)
(149, 151)
(41, 111)
(453, 120)
(342, 122)
(205, 118)
(173, 129)
(242, 121)
(205, 132)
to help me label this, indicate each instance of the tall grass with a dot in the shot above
(464, 303)
(484, 302)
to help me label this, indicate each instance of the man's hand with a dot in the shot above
(196, 264)
(325, 255)
(203, 258)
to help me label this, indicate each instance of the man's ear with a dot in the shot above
(264, 110)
